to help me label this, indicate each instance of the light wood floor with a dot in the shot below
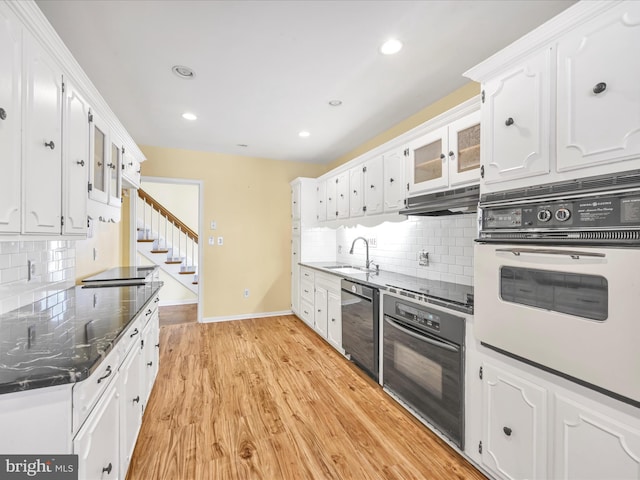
(268, 399)
(176, 314)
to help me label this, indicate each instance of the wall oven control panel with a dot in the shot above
(613, 217)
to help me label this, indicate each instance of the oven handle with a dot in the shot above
(547, 251)
(422, 338)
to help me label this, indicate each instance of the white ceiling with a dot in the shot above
(266, 69)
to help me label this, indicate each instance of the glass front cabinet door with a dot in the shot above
(100, 158)
(447, 156)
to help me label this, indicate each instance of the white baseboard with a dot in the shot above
(227, 318)
(169, 303)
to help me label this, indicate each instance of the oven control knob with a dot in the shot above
(563, 214)
(544, 215)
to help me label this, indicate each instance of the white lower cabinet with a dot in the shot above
(97, 443)
(592, 444)
(533, 425)
(321, 315)
(514, 432)
(334, 323)
(150, 355)
(131, 388)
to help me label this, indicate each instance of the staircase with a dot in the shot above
(166, 241)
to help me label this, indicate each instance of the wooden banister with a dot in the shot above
(167, 214)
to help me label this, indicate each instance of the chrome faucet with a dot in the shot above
(367, 262)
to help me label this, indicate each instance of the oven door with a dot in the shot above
(570, 310)
(426, 373)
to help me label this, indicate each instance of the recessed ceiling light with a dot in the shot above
(335, 103)
(304, 134)
(391, 46)
(183, 72)
(189, 116)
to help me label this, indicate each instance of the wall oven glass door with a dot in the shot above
(426, 372)
(571, 310)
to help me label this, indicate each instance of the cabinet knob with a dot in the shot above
(451, 154)
(3, 114)
(108, 469)
(599, 88)
(111, 165)
(157, 345)
(149, 364)
(509, 122)
(355, 192)
(50, 144)
(137, 399)
(81, 163)
(442, 156)
(507, 431)
(391, 180)
(373, 186)
(333, 319)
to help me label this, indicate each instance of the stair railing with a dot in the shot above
(178, 229)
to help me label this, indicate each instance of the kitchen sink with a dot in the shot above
(347, 269)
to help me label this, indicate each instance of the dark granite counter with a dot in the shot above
(121, 276)
(64, 337)
(451, 295)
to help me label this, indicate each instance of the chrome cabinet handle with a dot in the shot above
(81, 163)
(574, 254)
(3, 114)
(50, 144)
(109, 372)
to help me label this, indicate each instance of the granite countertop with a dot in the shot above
(447, 294)
(121, 275)
(64, 337)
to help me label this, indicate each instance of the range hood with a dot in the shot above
(451, 202)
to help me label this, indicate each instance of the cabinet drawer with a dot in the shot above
(306, 312)
(307, 274)
(306, 291)
(86, 393)
(131, 337)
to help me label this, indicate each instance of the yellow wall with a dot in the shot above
(107, 240)
(455, 98)
(250, 200)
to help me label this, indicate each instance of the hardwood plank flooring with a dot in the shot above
(176, 314)
(268, 399)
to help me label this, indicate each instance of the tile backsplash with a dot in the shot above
(448, 241)
(53, 270)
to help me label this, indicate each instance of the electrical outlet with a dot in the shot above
(246, 293)
(31, 269)
(373, 242)
(220, 241)
(214, 225)
(423, 258)
(212, 241)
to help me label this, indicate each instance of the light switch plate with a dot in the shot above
(220, 241)
(212, 241)
(214, 225)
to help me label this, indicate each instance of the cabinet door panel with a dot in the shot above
(10, 128)
(75, 165)
(321, 199)
(597, 126)
(374, 186)
(515, 119)
(100, 151)
(42, 160)
(342, 195)
(334, 320)
(321, 315)
(514, 428)
(592, 446)
(394, 187)
(464, 150)
(428, 161)
(151, 355)
(332, 203)
(356, 195)
(97, 442)
(295, 201)
(114, 174)
(130, 405)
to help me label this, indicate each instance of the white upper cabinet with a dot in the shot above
(373, 186)
(332, 204)
(446, 157)
(100, 157)
(295, 201)
(356, 193)
(342, 195)
(321, 201)
(515, 116)
(130, 170)
(394, 188)
(563, 102)
(75, 161)
(10, 121)
(599, 91)
(114, 172)
(42, 159)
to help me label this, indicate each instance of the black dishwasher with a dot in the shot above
(360, 325)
